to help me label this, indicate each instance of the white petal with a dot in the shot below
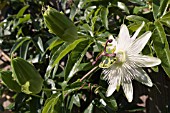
(114, 82)
(128, 90)
(110, 90)
(144, 61)
(142, 77)
(137, 31)
(124, 40)
(139, 43)
(127, 73)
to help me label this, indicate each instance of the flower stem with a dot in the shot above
(86, 75)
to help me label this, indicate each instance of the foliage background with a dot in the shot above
(62, 65)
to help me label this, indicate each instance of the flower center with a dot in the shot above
(120, 56)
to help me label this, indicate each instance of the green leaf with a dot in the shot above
(89, 109)
(21, 11)
(34, 104)
(75, 86)
(74, 100)
(53, 42)
(110, 101)
(9, 81)
(38, 43)
(60, 25)
(54, 57)
(155, 8)
(75, 58)
(24, 19)
(20, 100)
(24, 49)
(159, 8)
(163, 7)
(53, 104)
(142, 3)
(73, 12)
(104, 14)
(88, 13)
(165, 19)
(123, 7)
(161, 46)
(27, 76)
(66, 50)
(135, 18)
(18, 44)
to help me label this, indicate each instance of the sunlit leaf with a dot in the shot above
(122, 6)
(24, 19)
(135, 18)
(21, 11)
(138, 2)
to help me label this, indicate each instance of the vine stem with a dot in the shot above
(44, 89)
(86, 75)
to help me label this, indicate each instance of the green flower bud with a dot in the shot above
(60, 25)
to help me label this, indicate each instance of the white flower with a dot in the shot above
(128, 62)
